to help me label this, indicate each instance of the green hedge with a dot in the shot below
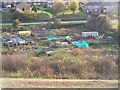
(77, 16)
(50, 10)
(9, 17)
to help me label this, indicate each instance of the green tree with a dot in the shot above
(25, 15)
(34, 8)
(73, 6)
(18, 14)
(57, 23)
(16, 24)
(99, 23)
(59, 7)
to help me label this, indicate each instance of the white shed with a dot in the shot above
(64, 44)
(94, 34)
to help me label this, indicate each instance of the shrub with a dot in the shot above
(40, 53)
(34, 8)
(77, 51)
(57, 23)
(34, 63)
(29, 15)
(18, 14)
(46, 71)
(13, 62)
(26, 15)
(43, 16)
(59, 7)
(100, 23)
(16, 24)
(75, 64)
(12, 10)
(48, 25)
(73, 6)
(105, 67)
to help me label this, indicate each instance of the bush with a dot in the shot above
(78, 51)
(18, 14)
(57, 23)
(105, 67)
(99, 23)
(43, 16)
(29, 15)
(34, 8)
(13, 62)
(48, 25)
(59, 7)
(26, 15)
(75, 64)
(16, 24)
(73, 6)
(12, 10)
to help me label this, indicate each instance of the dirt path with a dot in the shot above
(38, 83)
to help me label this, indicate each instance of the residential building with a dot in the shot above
(100, 7)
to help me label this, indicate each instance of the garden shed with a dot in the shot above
(25, 33)
(93, 34)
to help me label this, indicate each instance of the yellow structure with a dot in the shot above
(25, 33)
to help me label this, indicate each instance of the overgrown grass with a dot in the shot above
(3, 49)
(7, 16)
(73, 64)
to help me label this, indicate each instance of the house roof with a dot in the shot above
(103, 3)
(93, 4)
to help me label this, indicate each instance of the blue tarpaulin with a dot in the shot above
(40, 48)
(82, 44)
(20, 40)
(52, 39)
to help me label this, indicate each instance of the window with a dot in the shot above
(23, 9)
